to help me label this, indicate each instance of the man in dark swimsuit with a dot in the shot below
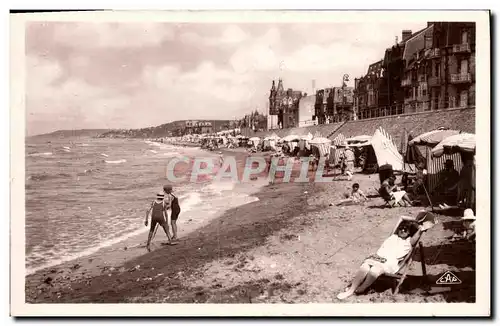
(172, 202)
(158, 212)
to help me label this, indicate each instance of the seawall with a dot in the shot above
(414, 124)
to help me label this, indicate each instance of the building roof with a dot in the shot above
(416, 43)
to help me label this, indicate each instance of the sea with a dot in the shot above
(84, 194)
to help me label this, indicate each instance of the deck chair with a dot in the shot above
(388, 200)
(404, 264)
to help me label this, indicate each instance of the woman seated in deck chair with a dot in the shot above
(389, 256)
(392, 194)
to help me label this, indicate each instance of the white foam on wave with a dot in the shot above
(66, 147)
(153, 151)
(190, 200)
(105, 155)
(86, 252)
(172, 154)
(116, 162)
(41, 154)
(219, 186)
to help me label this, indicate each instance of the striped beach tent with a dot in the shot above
(432, 138)
(461, 143)
(436, 164)
(387, 152)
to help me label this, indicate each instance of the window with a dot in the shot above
(464, 67)
(465, 37)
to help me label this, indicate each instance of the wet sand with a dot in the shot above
(288, 247)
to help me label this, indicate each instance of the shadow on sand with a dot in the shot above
(426, 286)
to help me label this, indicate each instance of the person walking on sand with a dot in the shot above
(158, 211)
(172, 203)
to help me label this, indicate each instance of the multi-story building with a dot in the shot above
(334, 104)
(367, 91)
(284, 105)
(198, 127)
(442, 71)
(431, 69)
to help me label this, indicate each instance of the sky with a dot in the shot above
(132, 74)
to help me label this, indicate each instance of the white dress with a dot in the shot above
(393, 250)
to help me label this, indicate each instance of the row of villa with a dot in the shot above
(431, 69)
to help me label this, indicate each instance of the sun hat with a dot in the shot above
(468, 214)
(160, 196)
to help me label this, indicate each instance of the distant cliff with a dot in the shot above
(164, 130)
(74, 133)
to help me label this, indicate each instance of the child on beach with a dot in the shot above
(158, 211)
(357, 195)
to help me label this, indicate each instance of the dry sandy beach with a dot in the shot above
(288, 247)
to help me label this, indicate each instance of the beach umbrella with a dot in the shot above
(309, 136)
(291, 138)
(463, 143)
(254, 139)
(320, 140)
(432, 138)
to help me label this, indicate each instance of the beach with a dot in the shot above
(289, 246)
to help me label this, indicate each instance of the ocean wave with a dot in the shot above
(105, 155)
(153, 151)
(47, 176)
(41, 154)
(65, 257)
(88, 171)
(219, 187)
(116, 162)
(190, 200)
(172, 154)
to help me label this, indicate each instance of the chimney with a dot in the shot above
(406, 35)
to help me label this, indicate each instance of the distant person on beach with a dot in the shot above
(387, 258)
(349, 161)
(172, 203)
(158, 211)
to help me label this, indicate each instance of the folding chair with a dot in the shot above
(404, 264)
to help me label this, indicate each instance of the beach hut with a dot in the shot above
(322, 144)
(463, 144)
(435, 164)
(337, 149)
